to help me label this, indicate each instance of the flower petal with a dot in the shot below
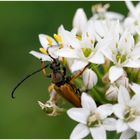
(41, 56)
(115, 73)
(80, 131)
(109, 124)
(121, 126)
(129, 23)
(80, 20)
(133, 63)
(135, 54)
(89, 78)
(98, 132)
(78, 65)
(88, 103)
(126, 42)
(107, 45)
(97, 58)
(100, 27)
(67, 52)
(53, 50)
(78, 114)
(90, 30)
(118, 110)
(138, 135)
(135, 87)
(123, 96)
(112, 93)
(135, 124)
(105, 110)
(135, 102)
(44, 42)
(131, 8)
(69, 39)
(114, 16)
(127, 134)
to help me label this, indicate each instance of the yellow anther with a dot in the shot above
(61, 46)
(42, 50)
(49, 41)
(79, 37)
(92, 42)
(58, 38)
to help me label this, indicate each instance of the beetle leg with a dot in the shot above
(64, 71)
(78, 92)
(48, 76)
(78, 74)
(43, 70)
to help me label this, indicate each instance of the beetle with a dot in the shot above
(62, 84)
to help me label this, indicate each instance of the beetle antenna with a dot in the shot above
(33, 73)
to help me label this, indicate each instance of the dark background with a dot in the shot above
(20, 24)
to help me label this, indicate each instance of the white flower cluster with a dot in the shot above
(109, 44)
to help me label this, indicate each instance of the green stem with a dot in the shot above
(97, 96)
(96, 70)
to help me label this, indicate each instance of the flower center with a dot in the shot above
(129, 114)
(120, 57)
(93, 120)
(87, 51)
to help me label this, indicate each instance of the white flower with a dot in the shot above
(132, 22)
(100, 13)
(122, 52)
(128, 113)
(79, 20)
(112, 92)
(46, 42)
(82, 51)
(105, 28)
(92, 119)
(89, 78)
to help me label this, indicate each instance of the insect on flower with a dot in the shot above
(62, 84)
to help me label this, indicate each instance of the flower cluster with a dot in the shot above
(106, 48)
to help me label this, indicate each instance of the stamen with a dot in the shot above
(93, 120)
(130, 114)
(42, 50)
(79, 37)
(120, 57)
(49, 41)
(58, 38)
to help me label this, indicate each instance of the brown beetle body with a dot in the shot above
(63, 84)
(70, 93)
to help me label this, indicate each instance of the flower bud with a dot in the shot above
(89, 78)
(123, 80)
(79, 20)
(112, 93)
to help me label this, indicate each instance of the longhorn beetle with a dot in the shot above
(62, 84)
